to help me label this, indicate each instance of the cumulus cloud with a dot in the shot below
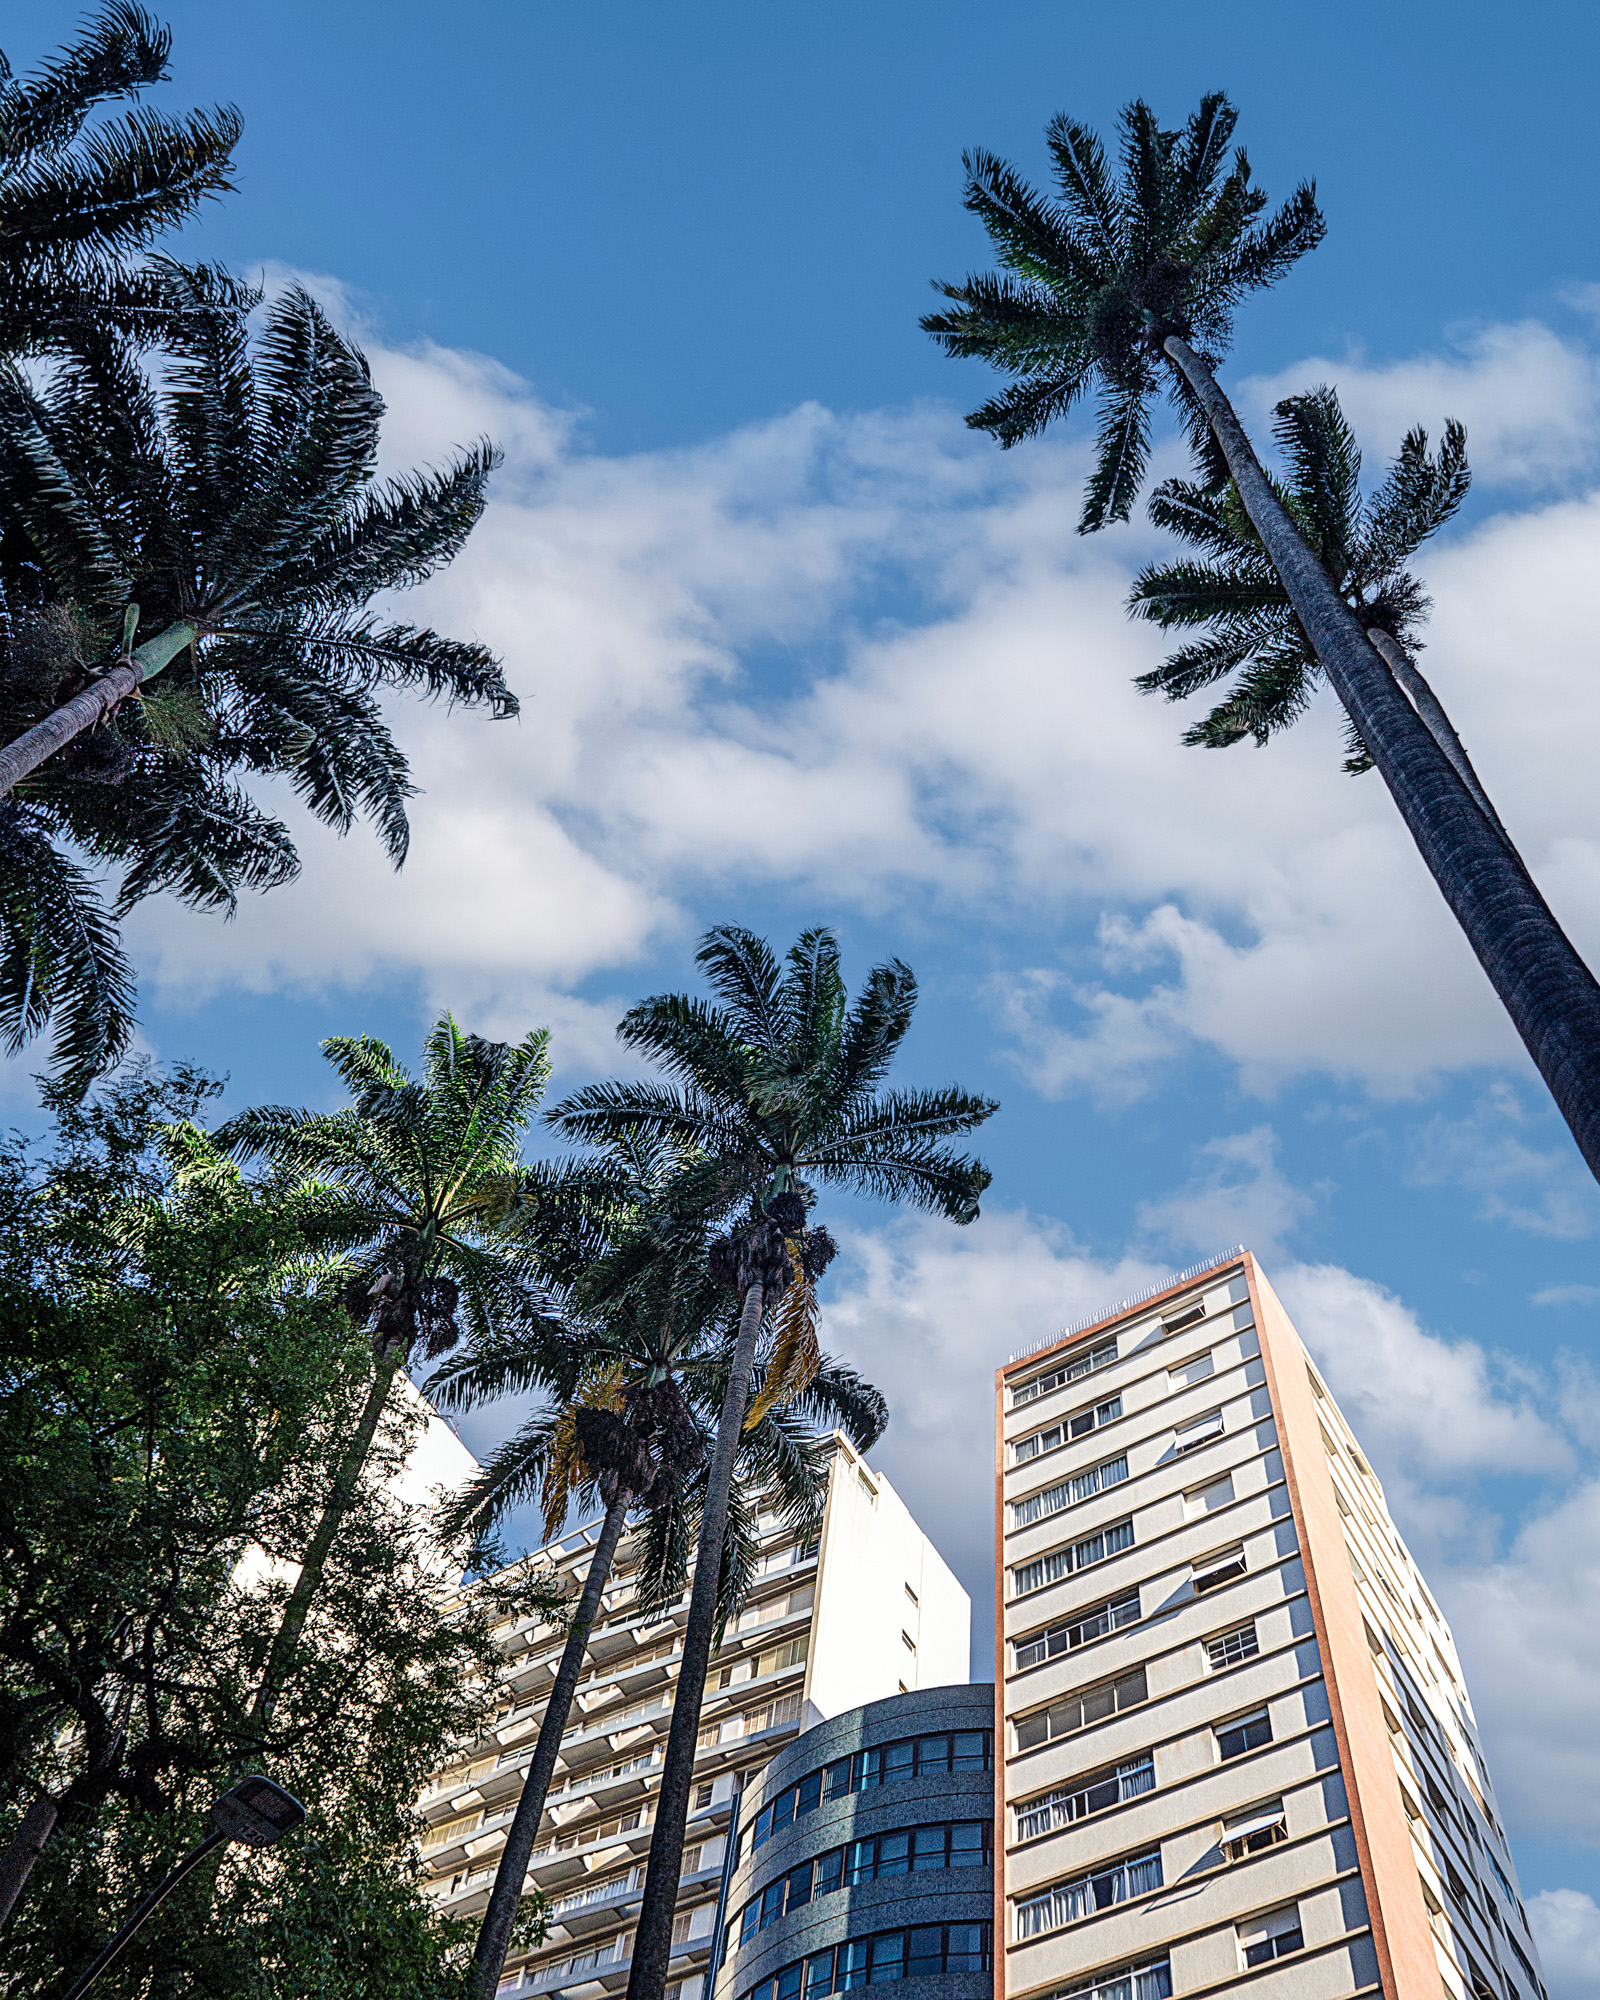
(1566, 1924)
(1544, 1189)
(865, 658)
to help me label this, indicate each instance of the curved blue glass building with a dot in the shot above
(865, 1856)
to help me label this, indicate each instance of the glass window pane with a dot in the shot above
(819, 1975)
(788, 1983)
(968, 1843)
(933, 1753)
(852, 1965)
(897, 1761)
(829, 1869)
(869, 1768)
(927, 1950)
(888, 1956)
(858, 1862)
(930, 1847)
(965, 1951)
(838, 1778)
(799, 1887)
(894, 1853)
(808, 1794)
(783, 1809)
(969, 1750)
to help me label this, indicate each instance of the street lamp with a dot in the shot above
(254, 1811)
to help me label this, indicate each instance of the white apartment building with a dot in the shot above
(1235, 1748)
(866, 1610)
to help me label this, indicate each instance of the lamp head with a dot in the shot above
(256, 1812)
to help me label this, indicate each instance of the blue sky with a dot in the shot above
(794, 647)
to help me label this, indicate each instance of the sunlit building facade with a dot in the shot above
(1234, 1745)
(867, 1610)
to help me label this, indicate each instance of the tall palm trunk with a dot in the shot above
(28, 751)
(1550, 994)
(652, 1940)
(494, 1935)
(1431, 709)
(346, 1478)
(22, 1850)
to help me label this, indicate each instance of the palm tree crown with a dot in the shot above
(78, 200)
(232, 510)
(418, 1176)
(1099, 279)
(777, 1088)
(1256, 641)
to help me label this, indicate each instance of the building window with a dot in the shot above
(1198, 1431)
(1079, 1631)
(1094, 1704)
(1248, 1732)
(1067, 1902)
(1179, 1317)
(911, 1593)
(1187, 1373)
(922, 1952)
(702, 1797)
(1113, 1786)
(1275, 1935)
(1213, 1571)
(915, 1850)
(907, 1757)
(1082, 1486)
(1208, 1498)
(1076, 1426)
(1150, 1981)
(1248, 1833)
(1083, 1363)
(1077, 1555)
(1229, 1648)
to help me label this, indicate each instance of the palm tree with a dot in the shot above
(1128, 284)
(415, 1179)
(77, 201)
(233, 509)
(630, 1394)
(1256, 639)
(776, 1091)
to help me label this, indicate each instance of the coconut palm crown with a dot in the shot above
(1256, 642)
(1098, 278)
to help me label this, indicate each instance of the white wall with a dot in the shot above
(871, 1551)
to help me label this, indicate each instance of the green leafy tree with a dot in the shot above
(1256, 641)
(81, 197)
(776, 1091)
(628, 1399)
(409, 1185)
(228, 505)
(1125, 285)
(175, 1371)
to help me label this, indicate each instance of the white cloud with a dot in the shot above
(1565, 1295)
(1237, 1195)
(1548, 1191)
(1566, 1926)
(717, 707)
(1529, 399)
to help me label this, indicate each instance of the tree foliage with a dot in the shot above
(1256, 642)
(1094, 281)
(176, 1367)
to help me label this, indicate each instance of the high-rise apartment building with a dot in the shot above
(867, 1610)
(1235, 1748)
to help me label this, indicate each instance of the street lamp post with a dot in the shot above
(255, 1811)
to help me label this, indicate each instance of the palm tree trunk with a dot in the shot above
(652, 1940)
(22, 1851)
(347, 1477)
(1431, 709)
(29, 750)
(1550, 994)
(494, 1935)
